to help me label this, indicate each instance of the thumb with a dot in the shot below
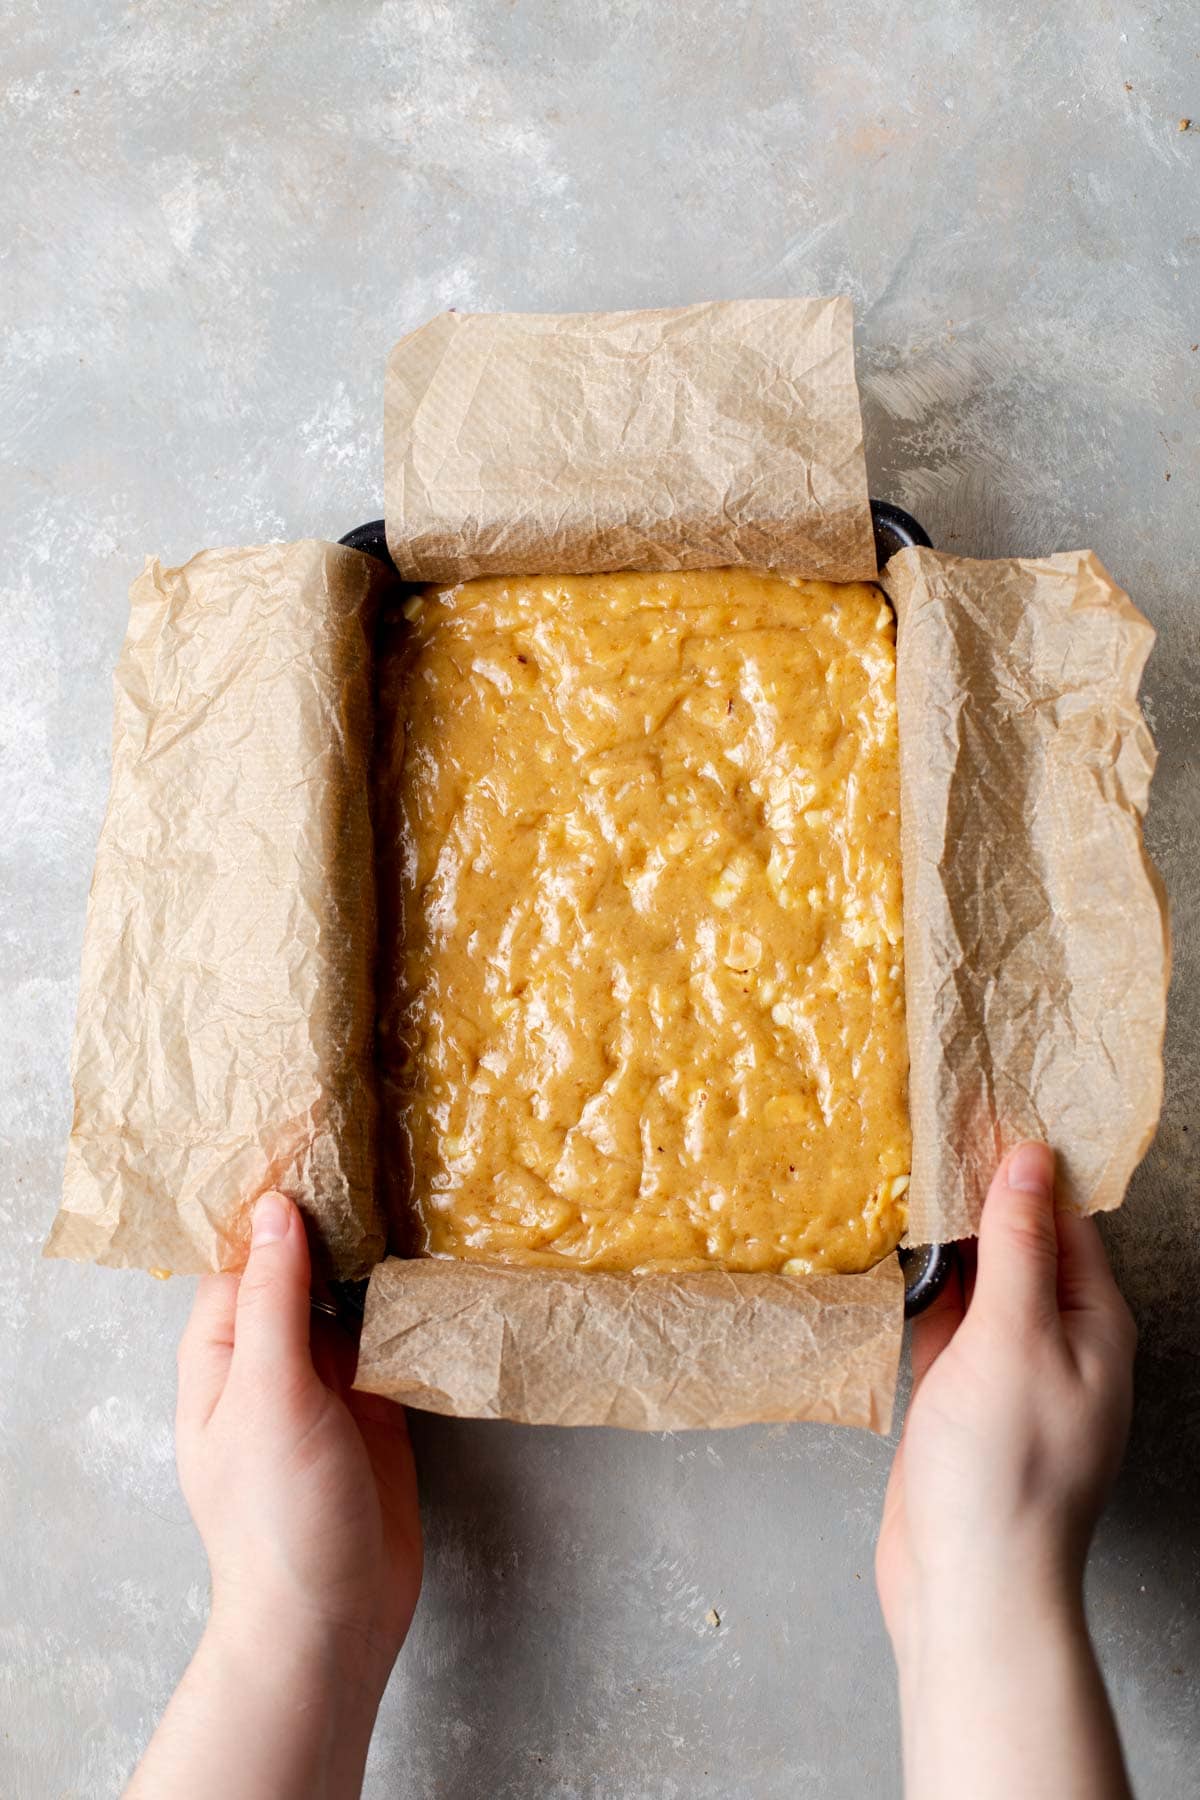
(271, 1323)
(1018, 1242)
(1093, 1309)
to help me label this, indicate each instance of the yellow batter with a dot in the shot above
(642, 984)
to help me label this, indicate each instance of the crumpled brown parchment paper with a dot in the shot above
(654, 1352)
(692, 438)
(681, 439)
(1036, 943)
(223, 1043)
(226, 1013)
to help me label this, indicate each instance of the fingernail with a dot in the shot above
(271, 1215)
(1031, 1170)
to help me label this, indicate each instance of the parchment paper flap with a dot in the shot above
(566, 443)
(655, 1353)
(224, 1035)
(1036, 944)
(225, 1022)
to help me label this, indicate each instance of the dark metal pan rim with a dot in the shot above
(894, 530)
(926, 1266)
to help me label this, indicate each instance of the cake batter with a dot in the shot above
(640, 867)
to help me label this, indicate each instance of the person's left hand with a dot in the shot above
(303, 1491)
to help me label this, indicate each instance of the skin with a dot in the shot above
(1022, 1397)
(305, 1498)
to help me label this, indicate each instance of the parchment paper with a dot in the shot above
(693, 438)
(1036, 943)
(225, 1022)
(525, 443)
(1035, 947)
(223, 1040)
(658, 1353)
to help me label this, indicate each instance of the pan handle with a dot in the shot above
(926, 1271)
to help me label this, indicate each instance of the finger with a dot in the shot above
(334, 1354)
(270, 1332)
(1018, 1242)
(933, 1329)
(384, 1427)
(205, 1349)
(1088, 1295)
(377, 1410)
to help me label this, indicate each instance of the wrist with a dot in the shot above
(988, 1605)
(301, 1655)
(999, 1688)
(295, 1700)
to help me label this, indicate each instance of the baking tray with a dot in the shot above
(926, 1266)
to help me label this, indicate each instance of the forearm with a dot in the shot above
(1001, 1694)
(284, 1713)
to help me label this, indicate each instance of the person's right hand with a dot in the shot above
(1022, 1391)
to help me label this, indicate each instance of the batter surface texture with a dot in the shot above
(642, 987)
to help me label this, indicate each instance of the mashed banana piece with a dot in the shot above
(642, 966)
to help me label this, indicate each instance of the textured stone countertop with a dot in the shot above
(215, 221)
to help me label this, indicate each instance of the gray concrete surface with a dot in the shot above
(214, 219)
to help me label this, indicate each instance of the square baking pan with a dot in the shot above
(926, 1266)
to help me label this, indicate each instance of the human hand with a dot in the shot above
(1022, 1391)
(303, 1491)
(305, 1496)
